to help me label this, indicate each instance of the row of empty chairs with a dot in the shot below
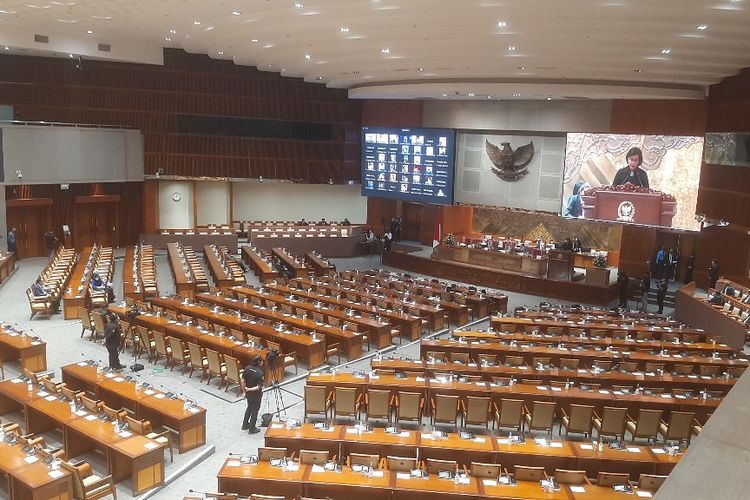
(103, 264)
(139, 273)
(55, 276)
(405, 406)
(192, 267)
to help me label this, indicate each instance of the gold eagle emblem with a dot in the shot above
(509, 165)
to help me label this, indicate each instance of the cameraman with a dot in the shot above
(252, 384)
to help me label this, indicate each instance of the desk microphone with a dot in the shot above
(90, 359)
(170, 393)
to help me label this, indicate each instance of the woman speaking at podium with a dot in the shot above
(632, 173)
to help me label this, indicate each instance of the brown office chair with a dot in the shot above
(266, 454)
(198, 360)
(542, 416)
(378, 404)
(409, 406)
(570, 364)
(285, 359)
(313, 456)
(372, 461)
(679, 427)
(478, 469)
(317, 402)
(510, 414)
(612, 478)
(401, 464)
(346, 402)
(179, 353)
(574, 477)
(476, 411)
(526, 473)
(612, 422)
(87, 485)
(650, 482)
(144, 428)
(444, 409)
(216, 367)
(646, 426)
(161, 348)
(435, 466)
(234, 373)
(579, 421)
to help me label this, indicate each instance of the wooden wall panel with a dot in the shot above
(458, 220)
(380, 211)
(637, 247)
(153, 98)
(391, 113)
(671, 117)
(730, 247)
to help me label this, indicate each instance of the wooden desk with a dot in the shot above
(350, 341)
(321, 265)
(378, 332)
(546, 375)
(409, 325)
(263, 478)
(299, 269)
(312, 350)
(31, 480)
(260, 266)
(519, 324)
(184, 283)
(608, 342)
(78, 286)
(223, 278)
(128, 459)
(31, 352)
(699, 314)
(7, 265)
(150, 404)
(508, 262)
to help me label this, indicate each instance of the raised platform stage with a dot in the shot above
(698, 313)
(504, 280)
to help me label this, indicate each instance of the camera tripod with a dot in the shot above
(276, 392)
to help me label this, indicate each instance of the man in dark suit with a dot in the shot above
(251, 383)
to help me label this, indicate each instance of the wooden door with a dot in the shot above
(31, 224)
(95, 223)
(411, 221)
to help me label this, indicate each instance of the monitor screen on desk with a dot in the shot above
(408, 164)
(641, 179)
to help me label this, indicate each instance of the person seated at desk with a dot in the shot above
(98, 284)
(632, 173)
(38, 288)
(369, 235)
(567, 245)
(346, 222)
(323, 222)
(387, 240)
(303, 222)
(577, 247)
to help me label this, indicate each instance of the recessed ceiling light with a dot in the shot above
(638, 70)
(71, 56)
(489, 97)
(268, 46)
(516, 94)
(307, 56)
(502, 24)
(385, 51)
(196, 23)
(173, 31)
(255, 40)
(7, 48)
(221, 52)
(511, 48)
(471, 95)
(444, 95)
(549, 98)
(90, 32)
(318, 78)
(702, 27)
(236, 13)
(298, 5)
(168, 39)
(420, 69)
(666, 51)
(522, 68)
(344, 29)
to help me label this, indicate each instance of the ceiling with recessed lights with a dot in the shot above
(442, 49)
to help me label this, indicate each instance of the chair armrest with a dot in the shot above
(565, 415)
(594, 415)
(432, 404)
(629, 419)
(381, 464)
(525, 411)
(394, 401)
(697, 422)
(101, 482)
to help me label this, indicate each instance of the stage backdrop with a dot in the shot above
(539, 189)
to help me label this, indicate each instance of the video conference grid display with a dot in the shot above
(408, 164)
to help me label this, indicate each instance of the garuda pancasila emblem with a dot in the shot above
(509, 165)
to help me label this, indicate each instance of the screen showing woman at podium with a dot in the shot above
(658, 185)
(632, 173)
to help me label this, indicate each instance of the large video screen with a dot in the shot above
(639, 179)
(408, 164)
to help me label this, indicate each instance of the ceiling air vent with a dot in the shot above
(105, 47)
(41, 38)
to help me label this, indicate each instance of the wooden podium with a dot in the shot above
(629, 204)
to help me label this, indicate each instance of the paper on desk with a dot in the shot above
(90, 418)
(55, 474)
(643, 494)
(159, 396)
(555, 444)
(658, 451)
(556, 389)
(420, 379)
(479, 440)
(426, 435)
(81, 363)
(633, 450)
(16, 381)
(50, 398)
(193, 409)
(150, 446)
(125, 434)
(110, 375)
(317, 468)
(403, 475)
(81, 413)
(587, 447)
(233, 463)
(119, 379)
(31, 459)
(503, 441)
(378, 473)
(578, 489)
(277, 426)
(489, 482)
(404, 434)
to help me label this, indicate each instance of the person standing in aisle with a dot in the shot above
(661, 293)
(645, 289)
(251, 383)
(623, 282)
(112, 337)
